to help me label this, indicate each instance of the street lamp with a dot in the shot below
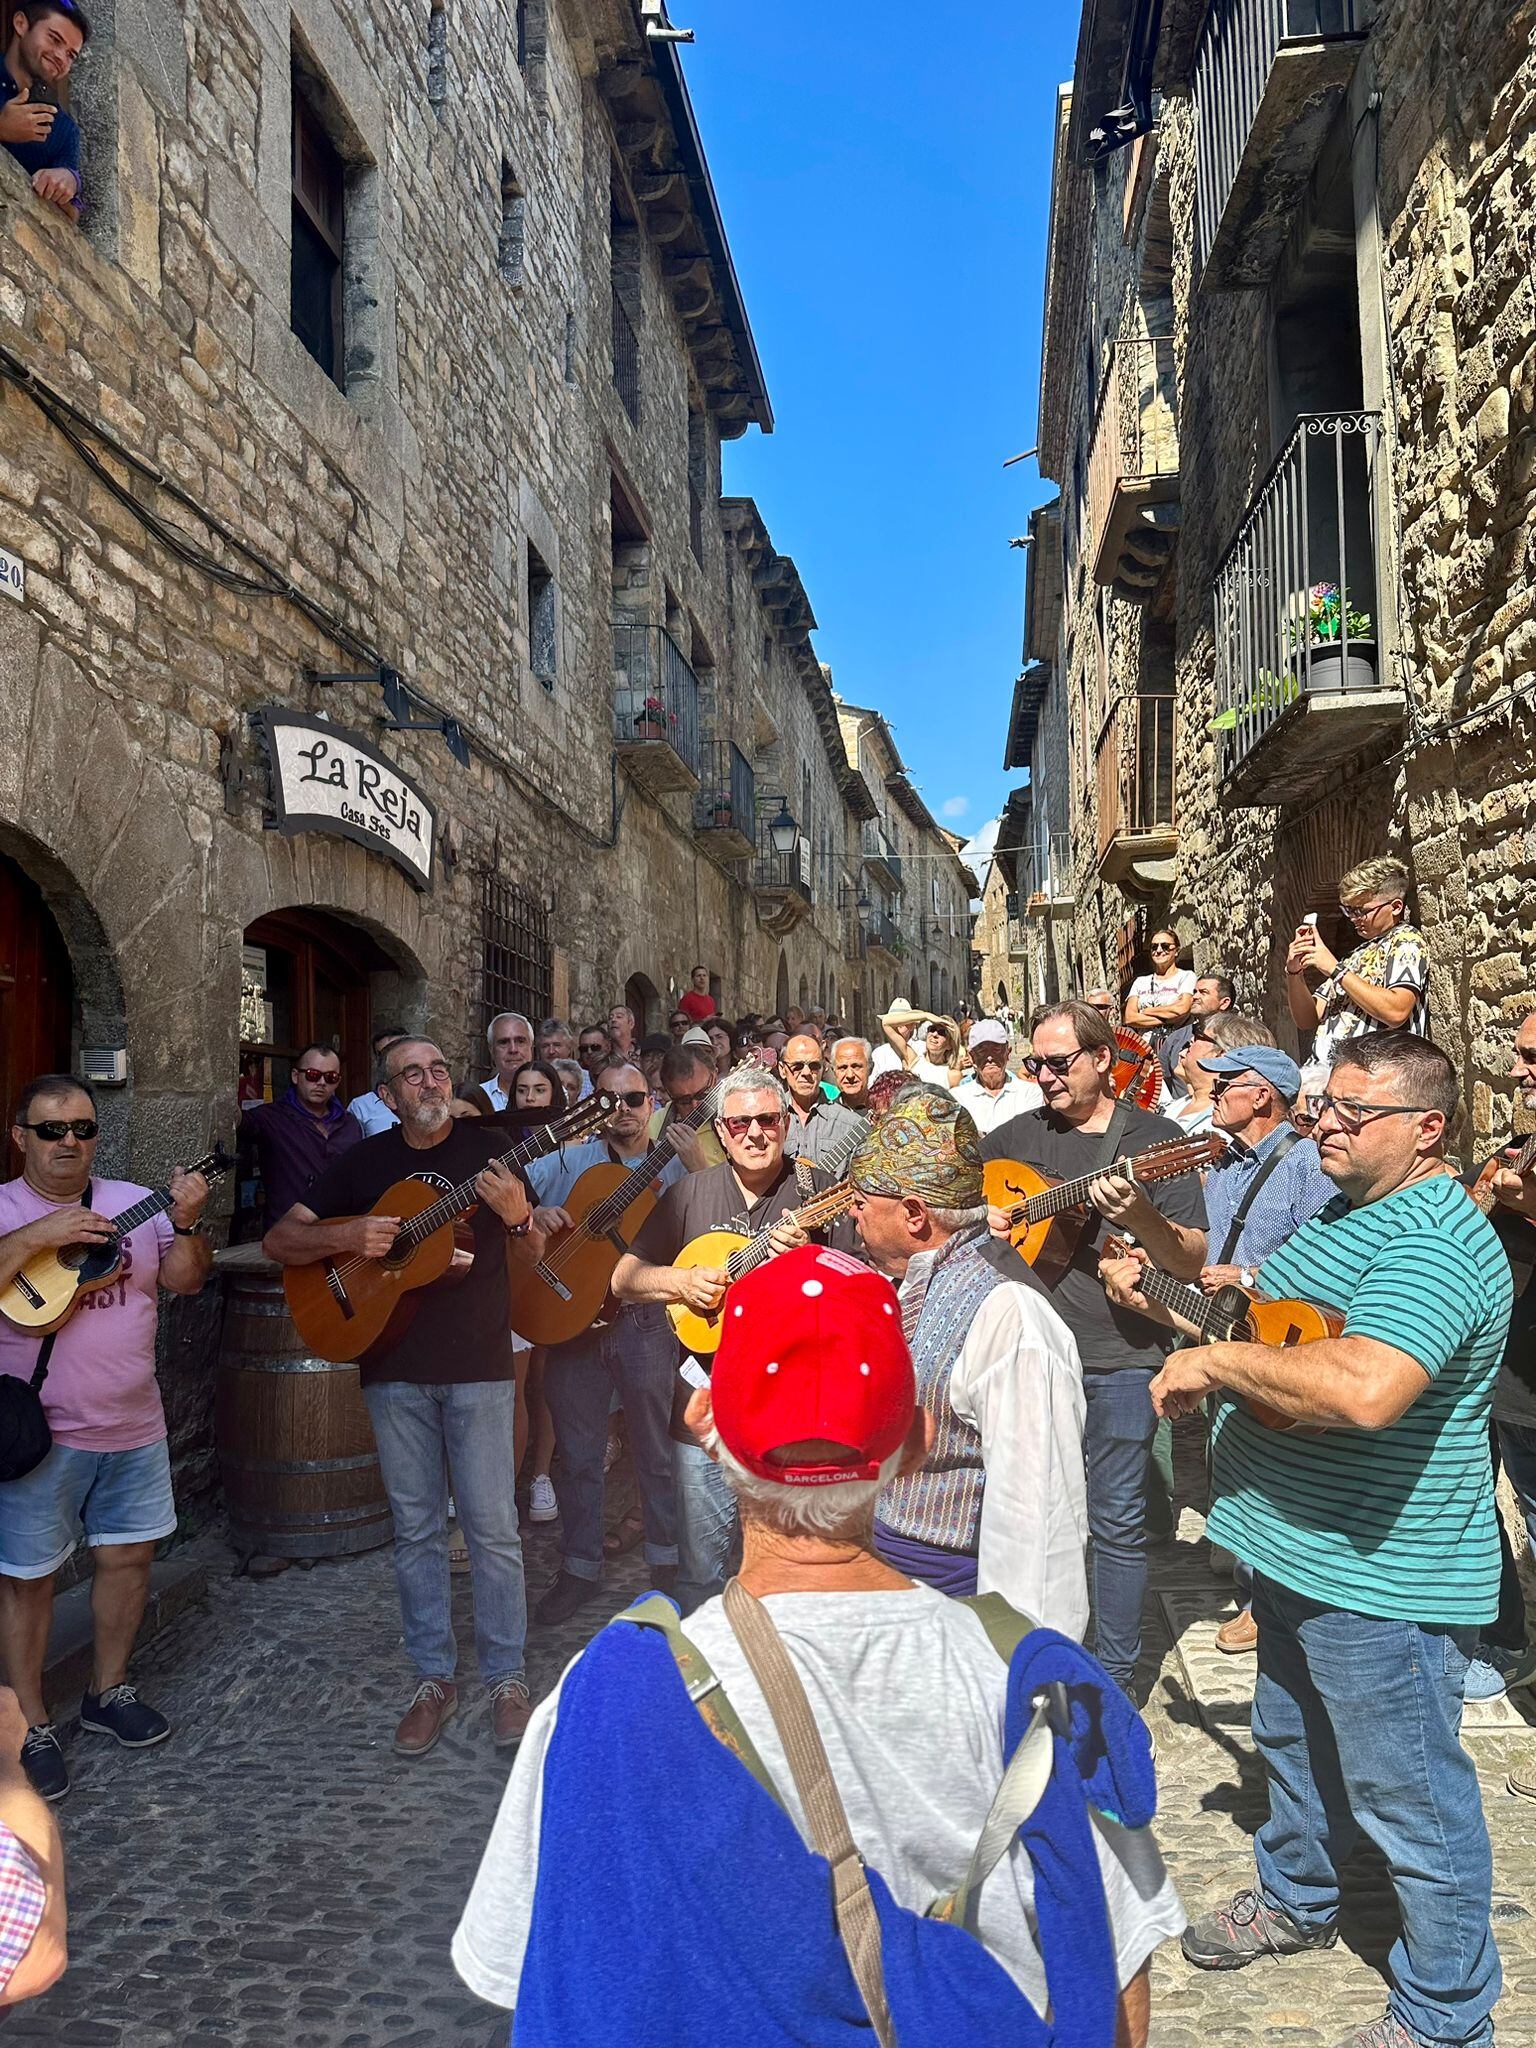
(864, 907)
(783, 830)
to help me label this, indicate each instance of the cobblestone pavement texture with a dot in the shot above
(275, 1877)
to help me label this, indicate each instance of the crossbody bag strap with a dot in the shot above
(45, 1353)
(1235, 1227)
(858, 1923)
(703, 1687)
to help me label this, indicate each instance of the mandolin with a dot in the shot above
(1233, 1315)
(607, 1206)
(1041, 1228)
(51, 1285)
(343, 1305)
(1521, 1163)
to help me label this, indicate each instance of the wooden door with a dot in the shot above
(37, 990)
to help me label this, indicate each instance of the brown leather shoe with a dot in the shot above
(1240, 1635)
(510, 1711)
(436, 1701)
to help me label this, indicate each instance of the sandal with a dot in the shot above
(629, 1533)
(458, 1551)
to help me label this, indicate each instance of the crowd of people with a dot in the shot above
(899, 1403)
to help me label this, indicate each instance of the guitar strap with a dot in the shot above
(1109, 1144)
(1235, 1227)
(45, 1349)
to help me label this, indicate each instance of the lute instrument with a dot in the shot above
(1042, 1227)
(739, 1253)
(1136, 1075)
(53, 1282)
(567, 1288)
(342, 1305)
(1236, 1315)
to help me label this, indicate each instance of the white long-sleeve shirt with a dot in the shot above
(1019, 1382)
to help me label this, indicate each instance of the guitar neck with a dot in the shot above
(547, 1138)
(160, 1200)
(1068, 1194)
(1214, 1323)
(639, 1177)
(759, 1248)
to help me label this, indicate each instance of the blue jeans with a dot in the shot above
(1117, 1445)
(1514, 1447)
(1357, 1721)
(636, 1355)
(422, 1432)
(708, 1527)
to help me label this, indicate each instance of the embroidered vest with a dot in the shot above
(941, 1503)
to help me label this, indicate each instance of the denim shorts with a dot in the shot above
(106, 1496)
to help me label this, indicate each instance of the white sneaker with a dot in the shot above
(542, 1506)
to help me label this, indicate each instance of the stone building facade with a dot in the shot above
(375, 643)
(1288, 397)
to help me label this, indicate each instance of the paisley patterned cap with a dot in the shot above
(925, 1145)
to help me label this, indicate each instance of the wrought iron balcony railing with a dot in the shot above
(626, 359)
(725, 809)
(1295, 594)
(1133, 469)
(655, 703)
(878, 850)
(1045, 875)
(781, 874)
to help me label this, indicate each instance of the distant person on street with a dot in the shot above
(696, 1002)
(851, 1058)
(292, 1140)
(1156, 1002)
(1213, 994)
(1383, 985)
(367, 1111)
(989, 1091)
(899, 1703)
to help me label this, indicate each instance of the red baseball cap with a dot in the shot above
(812, 1347)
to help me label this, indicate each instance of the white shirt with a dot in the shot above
(372, 1113)
(988, 1110)
(1018, 1381)
(885, 1060)
(908, 1695)
(1161, 989)
(495, 1092)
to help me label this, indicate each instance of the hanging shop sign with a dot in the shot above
(325, 779)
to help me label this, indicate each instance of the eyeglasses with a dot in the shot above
(1351, 1115)
(592, 1045)
(1060, 1063)
(1227, 1082)
(1363, 910)
(54, 1130)
(802, 1066)
(684, 1103)
(632, 1098)
(418, 1076)
(738, 1126)
(318, 1073)
(987, 1053)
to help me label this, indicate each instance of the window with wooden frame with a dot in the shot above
(319, 240)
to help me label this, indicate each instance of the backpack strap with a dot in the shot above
(703, 1687)
(1006, 1628)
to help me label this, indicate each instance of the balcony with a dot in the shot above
(1137, 836)
(1045, 877)
(1300, 686)
(781, 882)
(626, 359)
(655, 708)
(878, 852)
(1269, 75)
(1133, 469)
(883, 935)
(725, 809)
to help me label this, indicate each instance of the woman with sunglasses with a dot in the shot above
(1161, 999)
(1383, 985)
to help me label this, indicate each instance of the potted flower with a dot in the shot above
(1329, 621)
(650, 720)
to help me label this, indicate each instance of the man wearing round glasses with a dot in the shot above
(108, 1475)
(754, 1190)
(818, 1129)
(1383, 985)
(1374, 1547)
(291, 1141)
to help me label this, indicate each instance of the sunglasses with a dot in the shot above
(1060, 1063)
(738, 1126)
(802, 1066)
(1361, 910)
(1229, 1081)
(54, 1130)
(632, 1098)
(318, 1073)
(1349, 1116)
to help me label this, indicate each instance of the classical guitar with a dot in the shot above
(1042, 1229)
(738, 1253)
(51, 1285)
(1234, 1315)
(607, 1206)
(343, 1305)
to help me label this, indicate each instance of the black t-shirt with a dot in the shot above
(710, 1200)
(461, 1328)
(1107, 1336)
(1514, 1391)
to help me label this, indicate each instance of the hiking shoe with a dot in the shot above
(434, 1702)
(1239, 1636)
(565, 1596)
(542, 1505)
(120, 1712)
(43, 1761)
(1387, 2032)
(1495, 1671)
(1247, 1929)
(510, 1710)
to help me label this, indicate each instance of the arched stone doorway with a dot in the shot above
(642, 996)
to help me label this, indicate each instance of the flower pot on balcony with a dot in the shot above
(648, 729)
(722, 817)
(1333, 673)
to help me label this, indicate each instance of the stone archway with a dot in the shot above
(781, 987)
(643, 997)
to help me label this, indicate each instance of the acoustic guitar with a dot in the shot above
(607, 1206)
(1042, 1228)
(52, 1284)
(342, 1306)
(1235, 1315)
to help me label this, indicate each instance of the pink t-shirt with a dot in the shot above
(100, 1393)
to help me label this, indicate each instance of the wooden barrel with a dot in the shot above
(301, 1472)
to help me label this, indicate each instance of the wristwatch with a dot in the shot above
(520, 1229)
(1246, 1276)
(188, 1229)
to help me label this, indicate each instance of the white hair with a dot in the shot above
(506, 1017)
(846, 1508)
(1314, 1079)
(751, 1079)
(849, 1039)
(954, 1220)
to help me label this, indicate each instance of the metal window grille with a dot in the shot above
(514, 950)
(626, 358)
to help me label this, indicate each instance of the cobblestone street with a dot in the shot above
(277, 1877)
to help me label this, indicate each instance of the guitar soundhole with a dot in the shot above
(74, 1256)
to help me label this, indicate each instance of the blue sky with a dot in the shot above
(884, 173)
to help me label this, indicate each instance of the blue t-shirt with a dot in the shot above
(1396, 1522)
(59, 149)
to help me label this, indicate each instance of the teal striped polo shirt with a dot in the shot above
(1397, 1522)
